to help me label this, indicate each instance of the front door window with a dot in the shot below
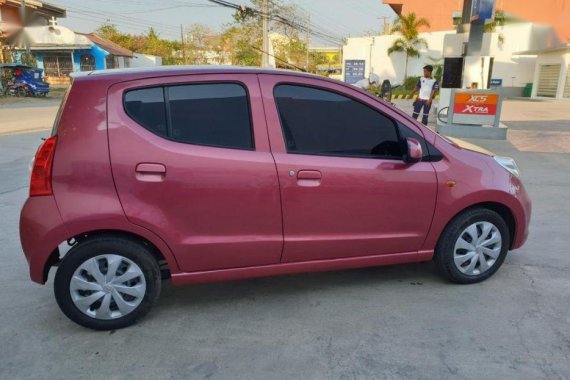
(320, 122)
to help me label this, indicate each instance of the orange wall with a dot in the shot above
(10, 14)
(438, 12)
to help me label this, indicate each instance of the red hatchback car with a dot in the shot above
(211, 174)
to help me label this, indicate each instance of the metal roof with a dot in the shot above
(44, 37)
(108, 46)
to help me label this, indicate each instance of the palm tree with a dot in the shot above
(409, 41)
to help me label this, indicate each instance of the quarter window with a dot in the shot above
(321, 122)
(201, 114)
(146, 107)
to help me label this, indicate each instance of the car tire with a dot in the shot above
(107, 282)
(473, 246)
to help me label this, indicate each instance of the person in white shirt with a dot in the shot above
(427, 87)
(366, 83)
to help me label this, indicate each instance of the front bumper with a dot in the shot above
(522, 215)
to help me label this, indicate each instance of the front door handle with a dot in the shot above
(309, 178)
(150, 172)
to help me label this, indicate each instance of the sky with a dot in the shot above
(343, 18)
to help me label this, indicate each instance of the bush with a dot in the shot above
(411, 82)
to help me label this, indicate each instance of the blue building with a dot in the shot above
(60, 51)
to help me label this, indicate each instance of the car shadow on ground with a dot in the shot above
(287, 286)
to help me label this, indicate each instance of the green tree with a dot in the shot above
(244, 36)
(149, 43)
(244, 45)
(110, 32)
(408, 42)
(201, 40)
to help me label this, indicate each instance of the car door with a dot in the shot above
(191, 162)
(345, 188)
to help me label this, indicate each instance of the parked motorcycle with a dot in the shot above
(22, 80)
(18, 89)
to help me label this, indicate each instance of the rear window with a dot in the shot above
(202, 114)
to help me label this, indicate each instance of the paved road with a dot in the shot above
(377, 323)
(28, 115)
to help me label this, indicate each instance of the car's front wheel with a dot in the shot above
(473, 246)
(107, 282)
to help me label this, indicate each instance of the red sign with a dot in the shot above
(476, 104)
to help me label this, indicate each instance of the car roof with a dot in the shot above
(120, 75)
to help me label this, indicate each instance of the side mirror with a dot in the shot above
(414, 151)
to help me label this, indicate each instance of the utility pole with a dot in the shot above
(183, 44)
(308, 40)
(23, 17)
(384, 19)
(265, 16)
(23, 12)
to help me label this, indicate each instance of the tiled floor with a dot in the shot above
(540, 141)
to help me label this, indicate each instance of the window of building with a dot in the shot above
(57, 65)
(87, 62)
(111, 62)
(321, 122)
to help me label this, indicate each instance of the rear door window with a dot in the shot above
(212, 114)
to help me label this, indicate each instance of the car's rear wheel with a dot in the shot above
(107, 282)
(473, 246)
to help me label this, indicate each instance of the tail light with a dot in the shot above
(40, 183)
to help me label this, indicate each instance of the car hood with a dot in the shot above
(465, 145)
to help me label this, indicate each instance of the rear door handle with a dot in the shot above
(150, 172)
(309, 178)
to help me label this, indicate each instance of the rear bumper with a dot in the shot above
(41, 231)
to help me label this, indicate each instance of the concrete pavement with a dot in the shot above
(28, 115)
(376, 323)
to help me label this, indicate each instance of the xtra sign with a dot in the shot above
(476, 104)
(477, 108)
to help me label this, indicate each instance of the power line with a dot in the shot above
(166, 8)
(96, 12)
(319, 15)
(316, 31)
(277, 58)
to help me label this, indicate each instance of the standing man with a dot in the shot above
(427, 87)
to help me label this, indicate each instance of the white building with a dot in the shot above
(551, 73)
(514, 70)
(145, 60)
